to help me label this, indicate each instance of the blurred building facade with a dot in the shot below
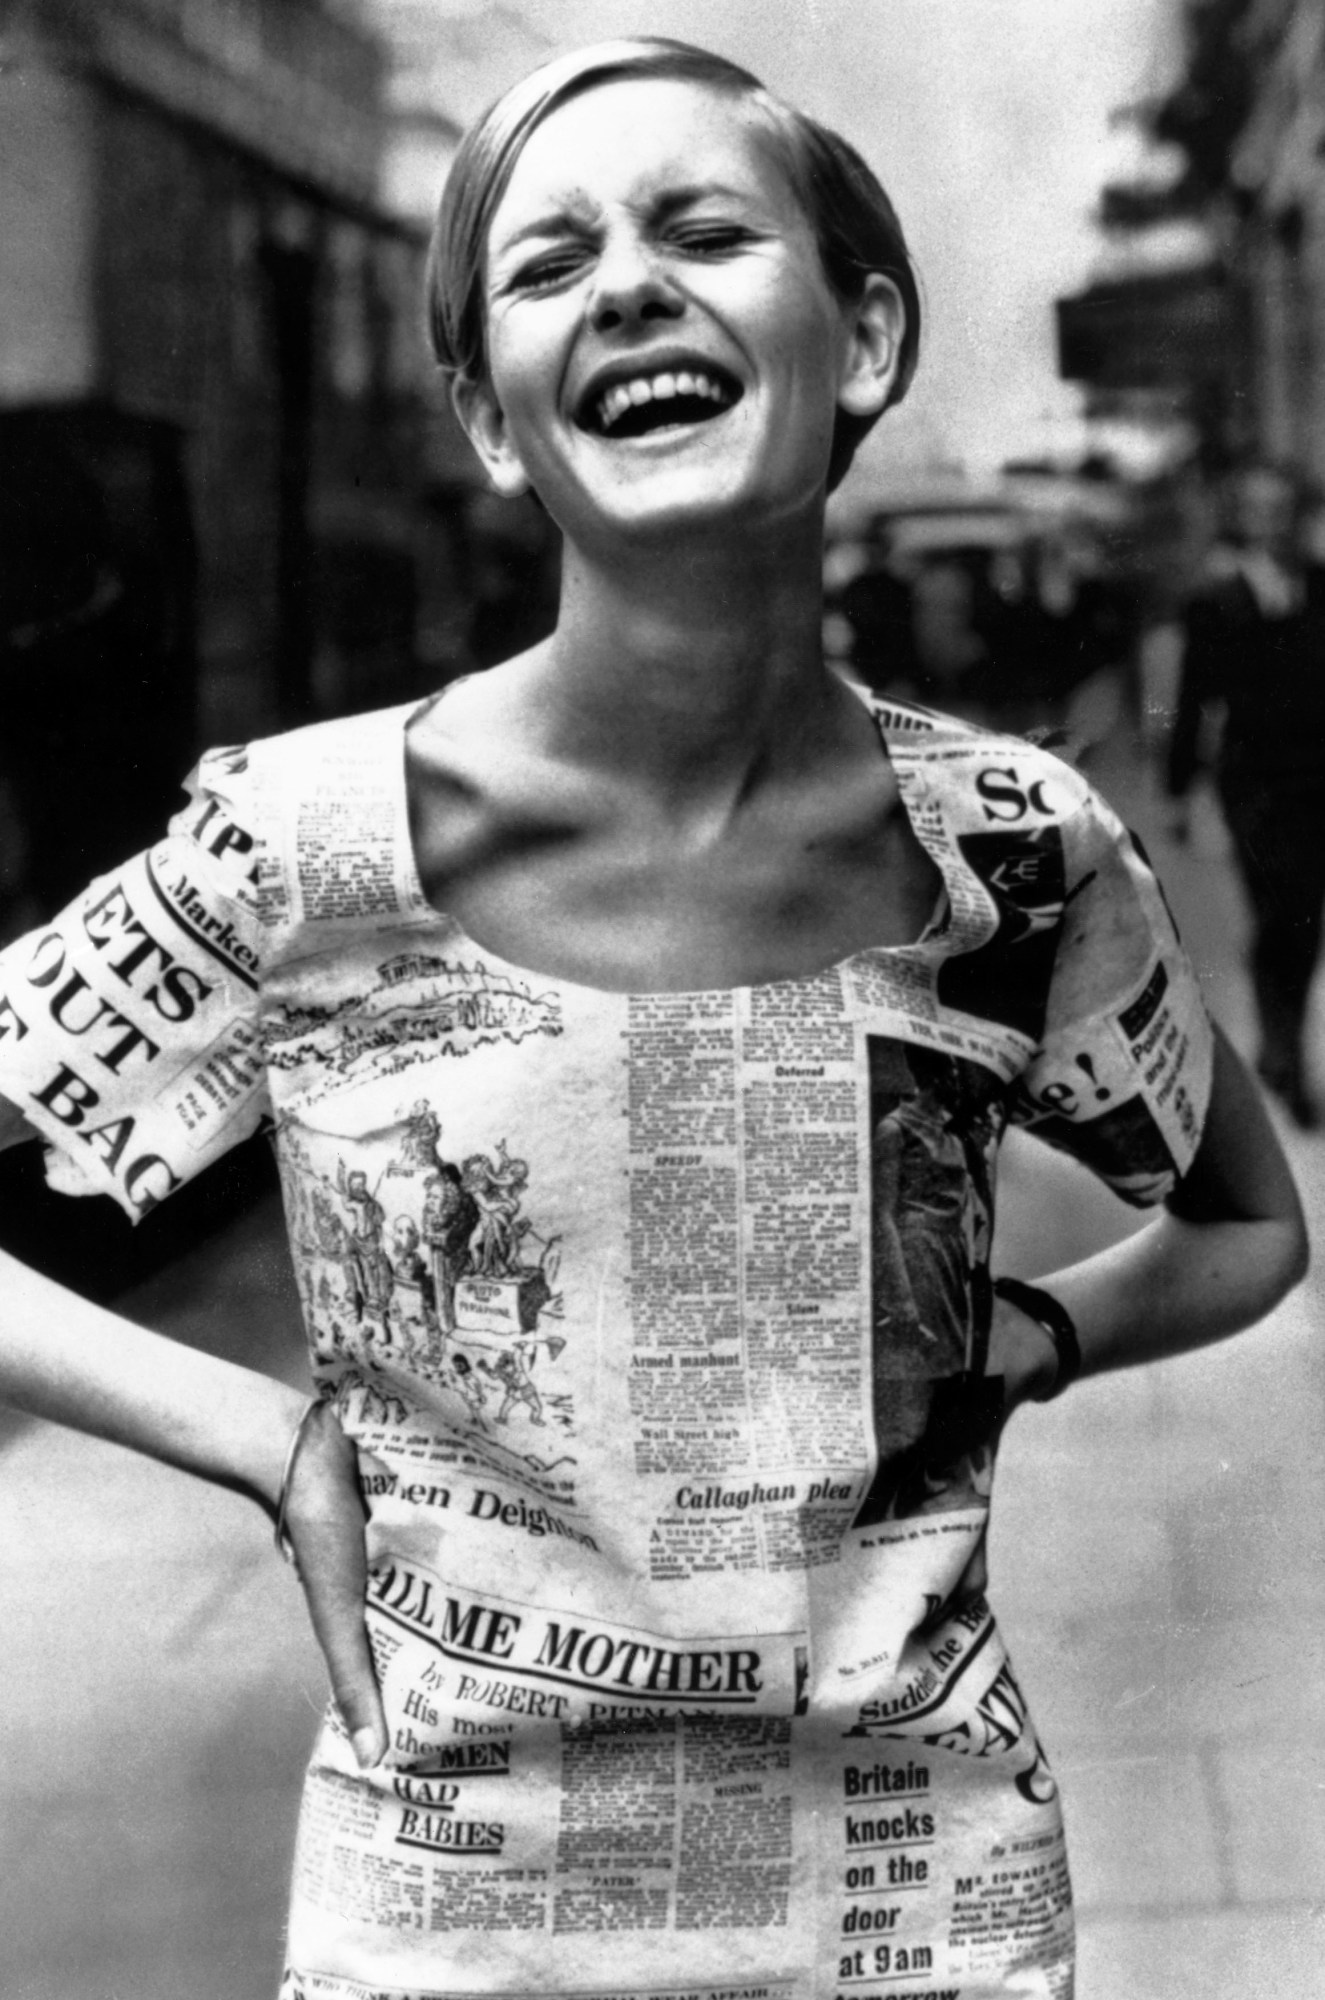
(212, 376)
(1213, 312)
(1278, 242)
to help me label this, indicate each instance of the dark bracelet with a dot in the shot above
(1057, 1321)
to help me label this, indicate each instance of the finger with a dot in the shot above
(334, 1585)
(325, 1519)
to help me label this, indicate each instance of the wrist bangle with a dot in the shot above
(283, 1542)
(1057, 1321)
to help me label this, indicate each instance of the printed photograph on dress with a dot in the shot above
(934, 1121)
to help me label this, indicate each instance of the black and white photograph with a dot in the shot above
(662, 1078)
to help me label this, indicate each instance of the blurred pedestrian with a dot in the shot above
(876, 604)
(1253, 682)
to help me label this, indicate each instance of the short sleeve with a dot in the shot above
(1121, 1078)
(128, 1024)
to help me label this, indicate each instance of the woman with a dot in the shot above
(686, 1674)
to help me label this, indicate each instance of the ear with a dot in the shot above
(875, 328)
(484, 424)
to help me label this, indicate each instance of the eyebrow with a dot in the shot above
(568, 221)
(559, 222)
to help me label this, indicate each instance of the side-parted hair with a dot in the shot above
(854, 223)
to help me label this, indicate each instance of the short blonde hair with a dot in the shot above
(855, 224)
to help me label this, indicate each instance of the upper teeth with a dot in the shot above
(622, 396)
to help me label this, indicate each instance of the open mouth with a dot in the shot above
(663, 400)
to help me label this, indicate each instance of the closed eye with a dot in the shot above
(544, 274)
(713, 239)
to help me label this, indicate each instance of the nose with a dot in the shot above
(631, 286)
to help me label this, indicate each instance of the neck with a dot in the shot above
(692, 672)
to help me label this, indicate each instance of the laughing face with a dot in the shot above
(664, 350)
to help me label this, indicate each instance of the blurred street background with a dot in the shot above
(232, 500)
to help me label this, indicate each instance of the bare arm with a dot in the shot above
(79, 1364)
(1230, 1244)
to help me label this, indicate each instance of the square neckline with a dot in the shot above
(936, 925)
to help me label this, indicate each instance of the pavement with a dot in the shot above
(1157, 1559)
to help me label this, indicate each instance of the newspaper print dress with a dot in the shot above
(660, 1321)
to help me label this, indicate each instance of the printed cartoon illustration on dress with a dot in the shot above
(933, 1120)
(467, 1381)
(496, 1188)
(511, 1369)
(450, 1213)
(320, 1238)
(429, 1287)
(493, 1284)
(364, 1285)
(412, 1285)
(505, 1286)
(374, 1402)
(369, 1273)
(416, 1009)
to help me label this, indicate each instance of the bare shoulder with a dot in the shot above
(472, 717)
